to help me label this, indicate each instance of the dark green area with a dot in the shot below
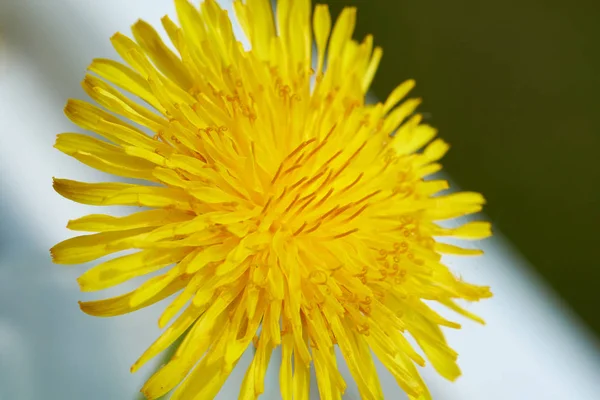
(514, 86)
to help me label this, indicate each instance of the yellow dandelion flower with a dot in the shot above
(284, 210)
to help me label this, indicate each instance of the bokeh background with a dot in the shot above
(512, 85)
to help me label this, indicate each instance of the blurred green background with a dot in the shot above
(514, 86)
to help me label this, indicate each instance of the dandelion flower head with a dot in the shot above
(278, 207)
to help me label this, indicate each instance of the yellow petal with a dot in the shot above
(166, 61)
(105, 194)
(398, 94)
(285, 368)
(272, 321)
(114, 101)
(121, 269)
(429, 188)
(350, 356)
(103, 156)
(322, 28)
(342, 32)
(261, 25)
(93, 118)
(246, 247)
(183, 322)
(208, 255)
(368, 369)
(142, 219)
(428, 169)
(121, 304)
(155, 285)
(436, 150)
(127, 49)
(473, 230)
(301, 379)
(191, 22)
(301, 40)
(254, 381)
(86, 248)
(198, 340)
(455, 307)
(372, 68)
(125, 78)
(172, 30)
(408, 139)
(322, 360)
(395, 363)
(432, 341)
(180, 301)
(451, 249)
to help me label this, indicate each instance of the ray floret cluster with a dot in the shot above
(280, 208)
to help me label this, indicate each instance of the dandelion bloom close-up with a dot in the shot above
(279, 207)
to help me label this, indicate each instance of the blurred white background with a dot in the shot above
(532, 347)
